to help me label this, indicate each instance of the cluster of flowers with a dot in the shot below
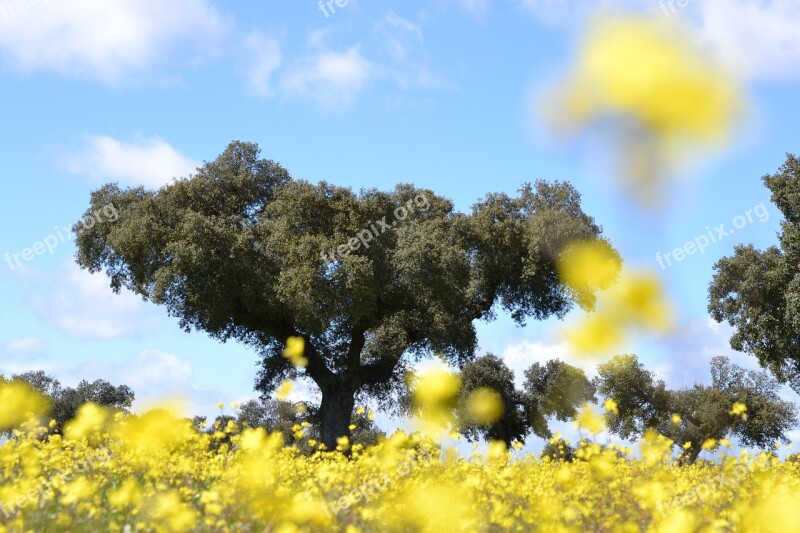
(162, 475)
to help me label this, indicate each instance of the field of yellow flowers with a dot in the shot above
(155, 472)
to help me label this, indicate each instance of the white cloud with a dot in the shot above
(266, 58)
(757, 38)
(104, 39)
(81, 305)
(24, 346)
(150, 162)
(332, 78)
(519, 357)
(153, 375)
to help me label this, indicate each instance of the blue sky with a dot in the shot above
(441, 93)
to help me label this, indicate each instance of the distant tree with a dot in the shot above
(558, 450)
(284, 417)
(704, 411)
(65, 401)
(371, 281)
(552, 390)
(490, 371)
(758, 291)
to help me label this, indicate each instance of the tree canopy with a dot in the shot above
(758, 291)
(694, 415)
(552, 390)
(371, 281)
(65, 401)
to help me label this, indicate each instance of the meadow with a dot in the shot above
(155, 472)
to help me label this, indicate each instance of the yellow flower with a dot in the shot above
(127, 494)
(739, 409)
(90, 419)
(611, 406)
(435, 397)
(589, 265)
(676, 419)
(485, 406)
(597, 333)
(284, 390)
(20, 403)
(709, 444)
(662, 98)
(295, 348)
(589, 420)
(639, 300)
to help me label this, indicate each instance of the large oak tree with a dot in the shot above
(242, 251)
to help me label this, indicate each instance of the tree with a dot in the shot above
(491, 372)
(554, 389)
(65, 401)
(284, 417)
(758, 291)
(704, 411)
(371, 281)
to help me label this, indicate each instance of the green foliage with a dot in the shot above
(65, 401)
(758, 291)
(554, 390)
(642, 402)
(237, 250)
(704, 410)
(490, 371)
(558, 450)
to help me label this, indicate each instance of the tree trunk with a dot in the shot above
(336, 411)
(690, 456)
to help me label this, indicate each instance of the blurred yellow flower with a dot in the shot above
(295, 348)
(589, 420)
(611, 406)
(20, 403)
(589, 265)
(639, 300)
(739, 409)
(90, 419)
(284, 390)
(485, 406)
(596, 333)
(653, 85)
